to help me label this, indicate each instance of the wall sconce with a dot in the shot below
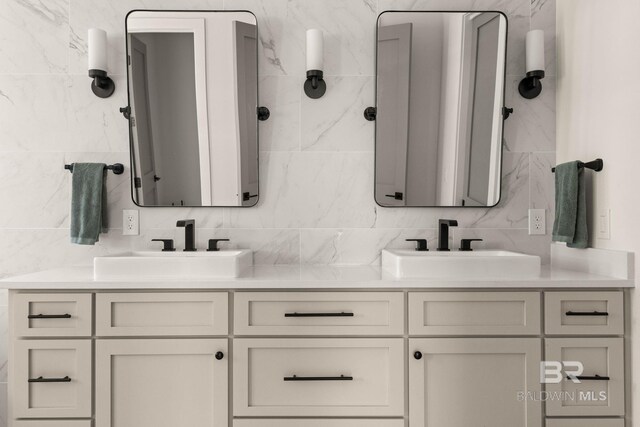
(102, 85)
(315, 86)
(530, 86)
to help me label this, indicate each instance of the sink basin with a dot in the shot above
(180, 265)
(478, 264)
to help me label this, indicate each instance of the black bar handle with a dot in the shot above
(50, 380)
(297, 378)
(49, 316)
(589, 378)
(586, 313)
(296, 314)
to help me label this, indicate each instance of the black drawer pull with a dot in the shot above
(50, 380)
(342, 314)
(589, 378)
(49, 316)
(586, 313)
(297, 378)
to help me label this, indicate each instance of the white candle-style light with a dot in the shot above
(530, 87)
(102, 85)
(315, 86)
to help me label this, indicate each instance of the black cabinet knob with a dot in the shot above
(417, 355)
(219, 355)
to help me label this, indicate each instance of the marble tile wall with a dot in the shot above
(317, 156)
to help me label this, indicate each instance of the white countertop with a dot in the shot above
(307, 277)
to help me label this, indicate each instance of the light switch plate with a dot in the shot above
(130, 222)
(604, 224)
(537, 221)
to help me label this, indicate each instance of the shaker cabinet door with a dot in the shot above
(474, 382)
(161, 383)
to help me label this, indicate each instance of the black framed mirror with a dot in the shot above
(193, 107)
(440, 81)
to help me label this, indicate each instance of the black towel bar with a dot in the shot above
(117, 168)
(595, 165)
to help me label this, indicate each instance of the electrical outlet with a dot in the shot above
(130, 222)
(537, 221)
(604, 224)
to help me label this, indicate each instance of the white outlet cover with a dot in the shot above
(604, 224)
(537, 222)
(130, 222)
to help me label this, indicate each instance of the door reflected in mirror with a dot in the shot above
(440, 98)
(193, 93)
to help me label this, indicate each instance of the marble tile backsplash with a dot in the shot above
(316, 160)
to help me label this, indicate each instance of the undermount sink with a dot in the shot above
(478, 264)
(181, 265)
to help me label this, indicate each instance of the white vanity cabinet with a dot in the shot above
(276, 358)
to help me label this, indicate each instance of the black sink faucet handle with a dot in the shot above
(421, 244)
(168, 244)
(465, 244)
(213, 244)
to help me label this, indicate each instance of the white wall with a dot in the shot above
(316, 160)
(598, 115)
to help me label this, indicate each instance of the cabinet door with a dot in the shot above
(161, 383)
(474, 382)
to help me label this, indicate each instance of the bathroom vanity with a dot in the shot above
(320, 346)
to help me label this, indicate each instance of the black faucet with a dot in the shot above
(443, 233)
(189, 234)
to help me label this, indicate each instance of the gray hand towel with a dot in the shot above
(570, 225)
(88, 203)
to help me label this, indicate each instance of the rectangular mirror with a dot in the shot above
(193, 94)
(439, 96)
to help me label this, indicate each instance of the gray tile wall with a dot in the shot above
(317, 162)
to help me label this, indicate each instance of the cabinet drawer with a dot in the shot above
(585, 422)
(584, 313)
(168, 314)
(318, 377)
(474, 313)
(319, 313)
(52, 379)
(603, 357)
(53, 423)
(274, 422)
(52, 315)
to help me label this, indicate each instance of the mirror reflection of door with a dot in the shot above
(144, 163)
(439, 97)
(246, 57)
(392, 131)
(193, 97)
(480, 171)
